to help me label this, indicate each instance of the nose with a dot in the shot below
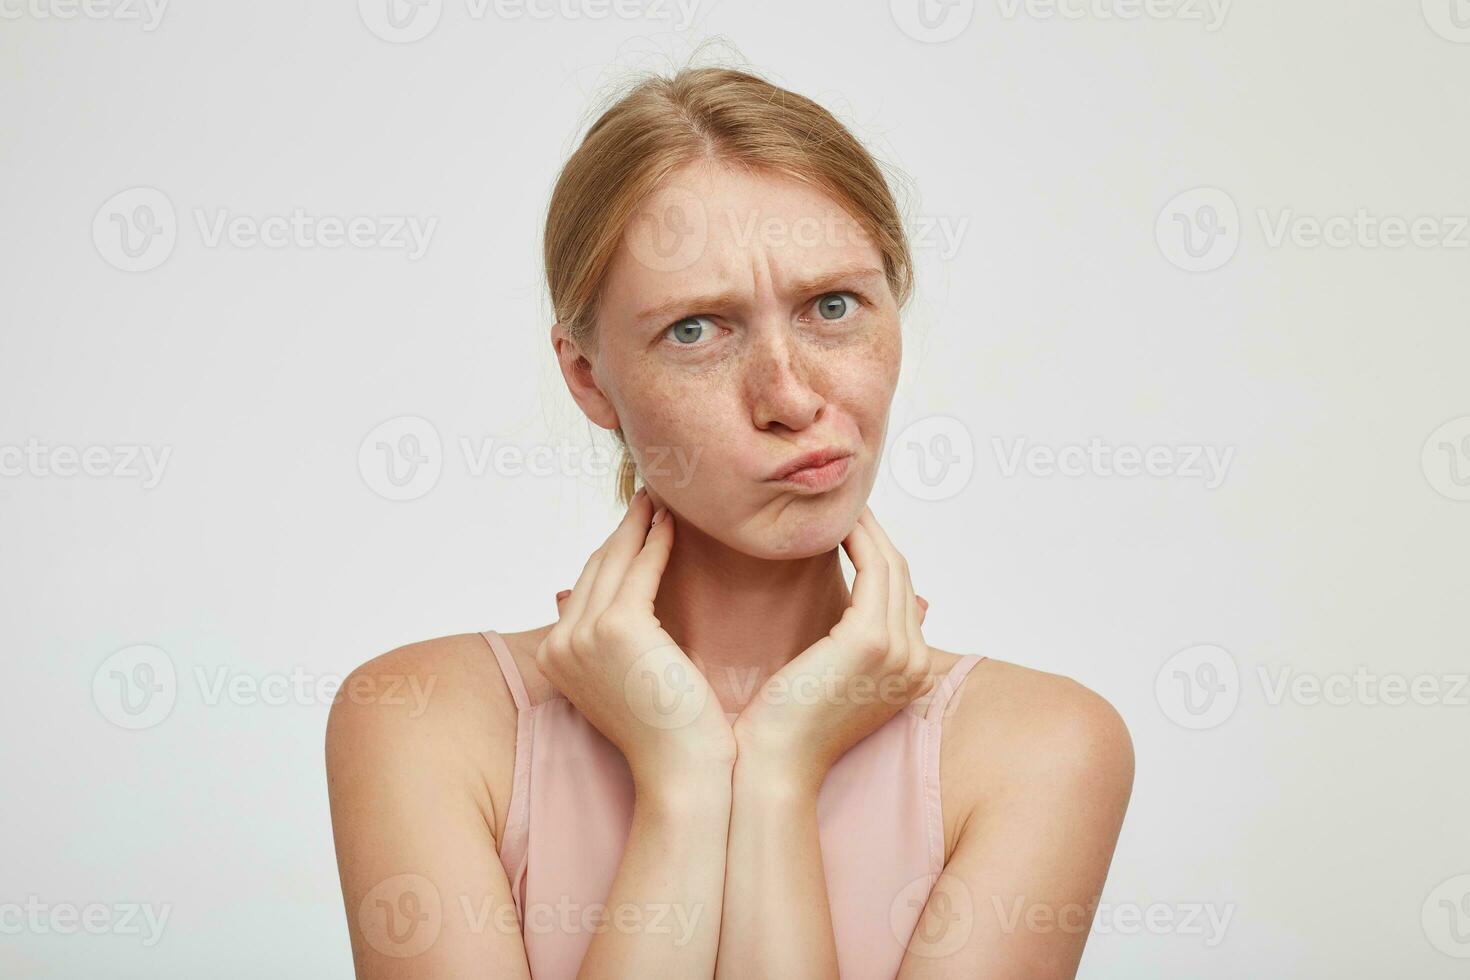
(778, 381)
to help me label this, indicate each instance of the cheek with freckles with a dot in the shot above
(864, 381)
(680, 430)
(693, 436)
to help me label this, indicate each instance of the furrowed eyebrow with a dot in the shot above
(828, 281)
(823, 282)
(666, 310)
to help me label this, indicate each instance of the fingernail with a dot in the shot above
(659, 515)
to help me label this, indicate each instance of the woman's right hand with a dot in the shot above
(610, 657)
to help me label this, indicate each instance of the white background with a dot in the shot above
(1332, 835)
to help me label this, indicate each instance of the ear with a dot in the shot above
(576, 368)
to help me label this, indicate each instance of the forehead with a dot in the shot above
(713, 226)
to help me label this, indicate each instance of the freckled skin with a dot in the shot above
(763, 376)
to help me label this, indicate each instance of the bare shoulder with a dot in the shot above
(1020, 705)
(445, 682)
(433, 712)
(1013, 731)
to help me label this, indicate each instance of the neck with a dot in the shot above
(741, 618)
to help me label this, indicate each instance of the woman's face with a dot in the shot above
(746, 320)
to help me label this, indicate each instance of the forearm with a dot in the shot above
(777, 922)
(672, 875)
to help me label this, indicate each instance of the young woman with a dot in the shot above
(718, 761)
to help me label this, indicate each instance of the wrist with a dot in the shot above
(773, 752)
(778, 777)
(683, 792)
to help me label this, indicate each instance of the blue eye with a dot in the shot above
(690, 329)
(835, 306)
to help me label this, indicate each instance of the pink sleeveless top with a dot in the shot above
(571, 808)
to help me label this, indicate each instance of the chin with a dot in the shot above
(808, 526)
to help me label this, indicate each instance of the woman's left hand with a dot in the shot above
(837, 691)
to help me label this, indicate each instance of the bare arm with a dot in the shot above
(669, 883)
(778, 922)
(424, 888)
(1017, 897)
(609, 656)
(778, 919)
(425, 891)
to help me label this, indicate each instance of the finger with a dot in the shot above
(900, 590)
(622, 545)
(869, 584)
(904, 609)
(576, 603)
(571, 607)
(903, 586)
(646, 570)
(914, 606)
